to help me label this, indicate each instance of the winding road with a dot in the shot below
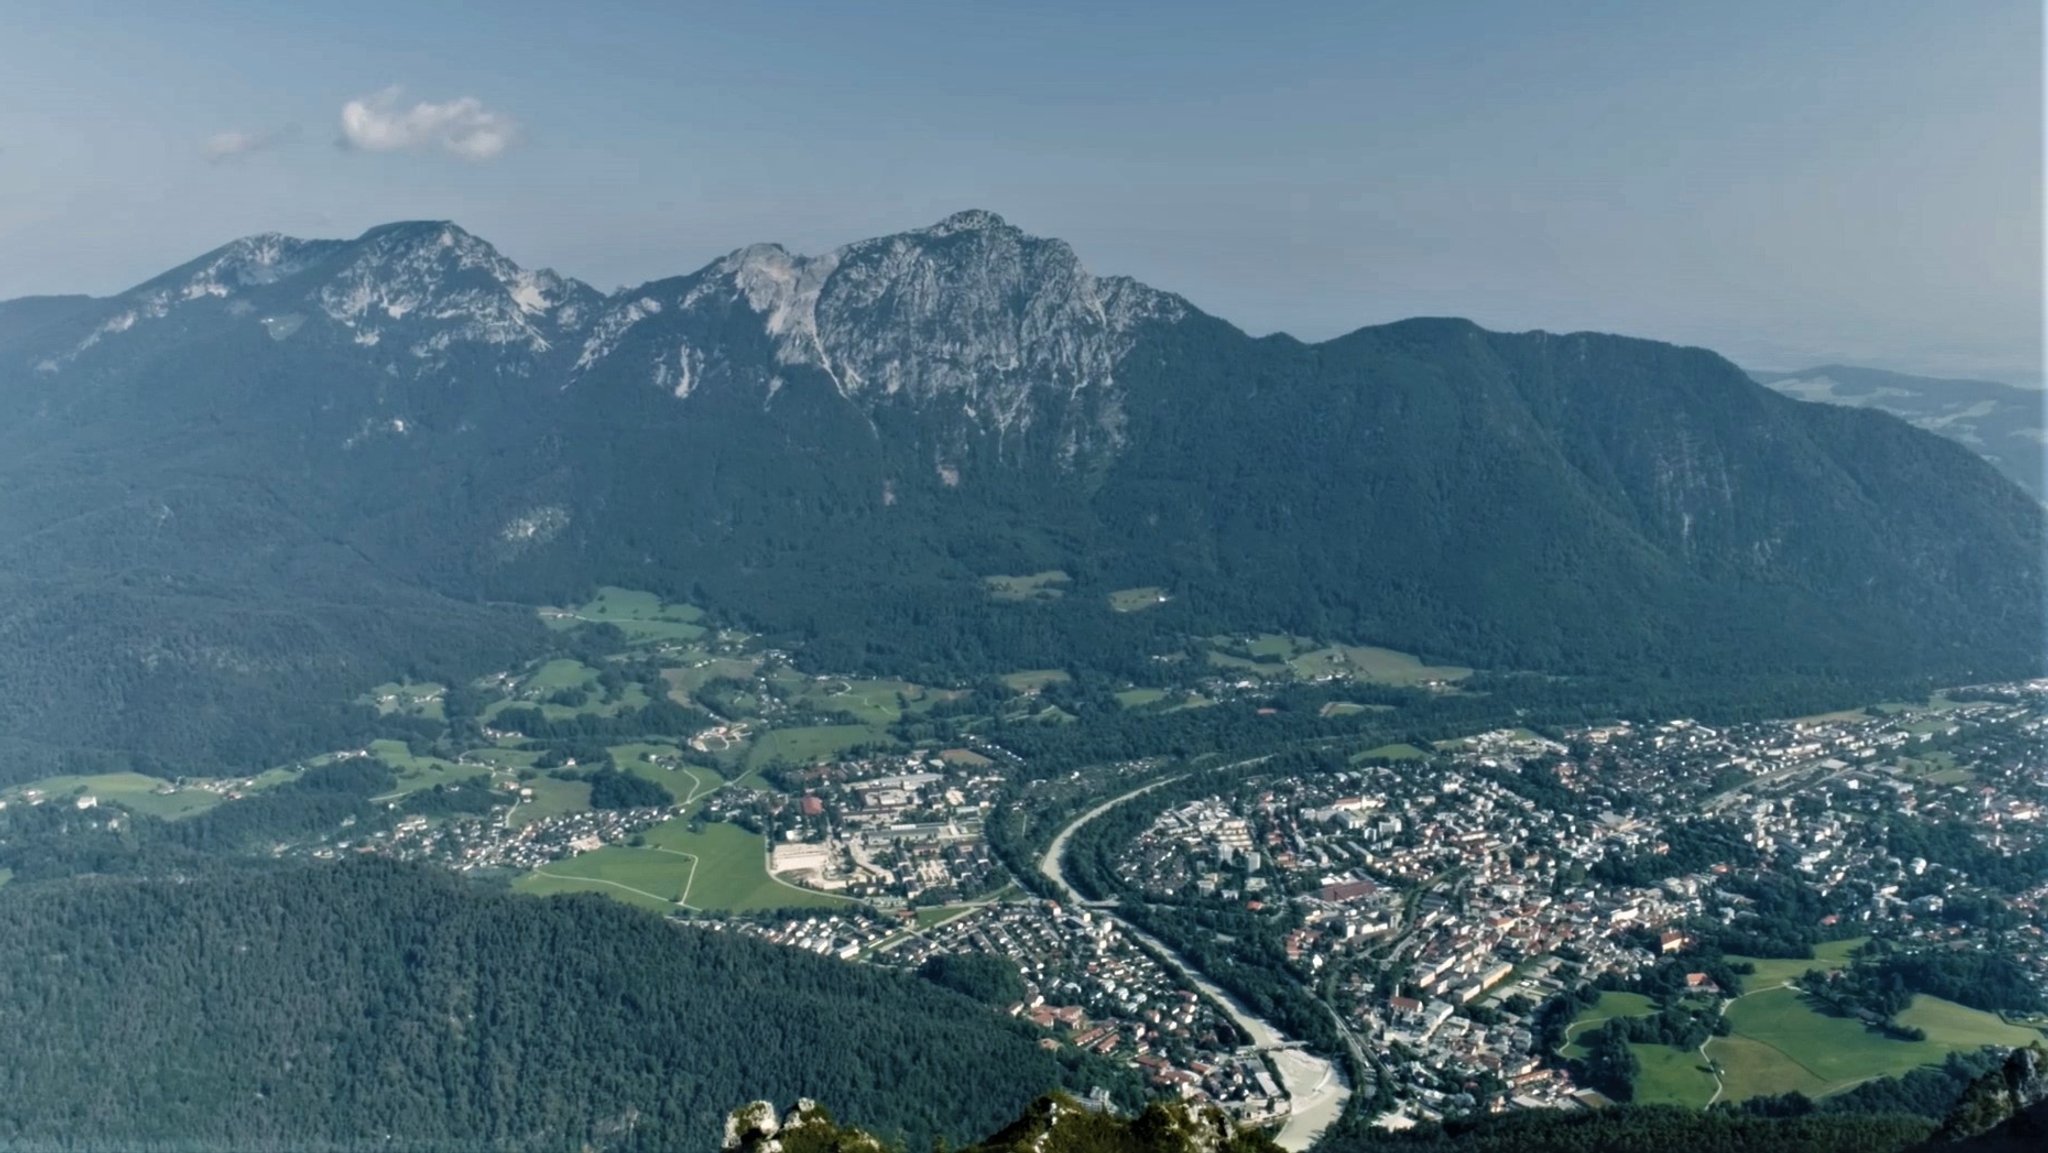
(1316, 1088)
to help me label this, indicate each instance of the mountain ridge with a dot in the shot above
(838, 448)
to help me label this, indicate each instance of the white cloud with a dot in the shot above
(463, 126)
(225, 146)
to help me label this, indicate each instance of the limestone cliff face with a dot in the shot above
(2007, 1109)
(970, 322)
(1055, 1124)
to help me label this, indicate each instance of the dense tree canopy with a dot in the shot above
(376, 1003)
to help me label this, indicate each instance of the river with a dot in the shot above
(1315, 1087)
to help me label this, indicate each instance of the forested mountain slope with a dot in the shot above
(290, 469)
(378, 1004)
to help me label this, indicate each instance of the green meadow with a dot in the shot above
(1372, 665)
(150, 796)
(1609, 1006)
(877, 702)
(721, 867)
(1672, 1076)
(1032, 680)
(644, 617)
(1039, 586)
(1781, 1041)
(1137, 599)
(407, 699)
(802, 746)
(1772, 971)
(1277, 656)
(416, 773)
(1400, 751)
(702, 670)
(1351, 709)
(551, 798)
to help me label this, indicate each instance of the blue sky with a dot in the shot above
(1787, 183)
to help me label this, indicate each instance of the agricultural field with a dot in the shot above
(801, 746)
(1609, 1006)
(1276, 656)
(644, 617)
(733, 869)
(416, 773)
(1772, 971)
(1351, 709)
(558, 674)
(1781, 1041)
(1673, 1077)
(1399, 751)
(871, 702)
(1032, 680)
(721, 867)
(650, 878)
(150, 796)
(500, 759)
(703, 669)
(1277, 646)
(1267, 659)
(555, 676)
(663, 765)
(1961, 1027)
(551, 798)
(1137, 599)
(1039, 586)
(1372, 665)
(407, 699)
(1750, 1068)
(1139, 698)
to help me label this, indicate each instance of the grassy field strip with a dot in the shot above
(601, 881)
(683, 900)
(696, 784)
(1779, 1042)
(1714, 1067)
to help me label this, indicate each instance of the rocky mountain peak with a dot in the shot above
(969, 220)
(430, 284)
(462, 287)
(971, 317)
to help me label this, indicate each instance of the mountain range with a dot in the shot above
(290, 469)
(2004, 424)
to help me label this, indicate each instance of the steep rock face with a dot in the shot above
(459, 286)
(2007, 1109)
(973, 314)
(1054, 1124)
(972, 323)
